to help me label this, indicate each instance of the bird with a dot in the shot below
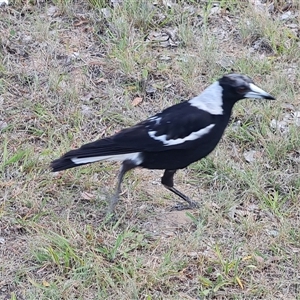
(171, 139)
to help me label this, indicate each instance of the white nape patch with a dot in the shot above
(256, 92)
(136, 157)
(193, 136)
(210, 99)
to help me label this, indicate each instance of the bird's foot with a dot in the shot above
(181, 206)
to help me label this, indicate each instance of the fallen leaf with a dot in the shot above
(136, 101)
(246, 257)
(251, 156)
(81, 22)
(239, 282)
(46, 283)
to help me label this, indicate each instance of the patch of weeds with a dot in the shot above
(139, 13)
(223, 272)
(64, 5)
(275, 202)
(98, 4)
(204, 61)
(231, 5)
(109, 266)
(267, 35)
(296, 182)
(277, 151)
(294, 235)
(117, 249)
(128, 51)
(244, 134)
(207, 178)
(127, 17)
(20, 157)
(205, 166)
(186, 33)
(252, 67)
(59, 253)
(2, 66)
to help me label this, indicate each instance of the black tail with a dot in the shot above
(62, 164)
(105, 147)
(87, 150)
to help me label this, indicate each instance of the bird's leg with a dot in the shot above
(126, 166)
(167, 181)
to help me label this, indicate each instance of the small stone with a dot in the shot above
(51, 10)
(287, 15)
(3, 125)
(250, 156)
(273, 232)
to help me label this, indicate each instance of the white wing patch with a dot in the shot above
(210, 99)
(156, 119)
(193, 136)
(136, 157)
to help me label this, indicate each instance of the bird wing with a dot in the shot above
(174, 128)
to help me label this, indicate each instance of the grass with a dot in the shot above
(69, 75)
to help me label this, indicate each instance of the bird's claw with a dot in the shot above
(181, 206)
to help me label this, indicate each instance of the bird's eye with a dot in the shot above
(241, 89)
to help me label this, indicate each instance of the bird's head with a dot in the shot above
(237, 87)
(225, 92)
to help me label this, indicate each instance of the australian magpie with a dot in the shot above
(171, 139)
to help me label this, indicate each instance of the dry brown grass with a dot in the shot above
(69, 73)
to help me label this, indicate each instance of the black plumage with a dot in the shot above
(173, 138)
